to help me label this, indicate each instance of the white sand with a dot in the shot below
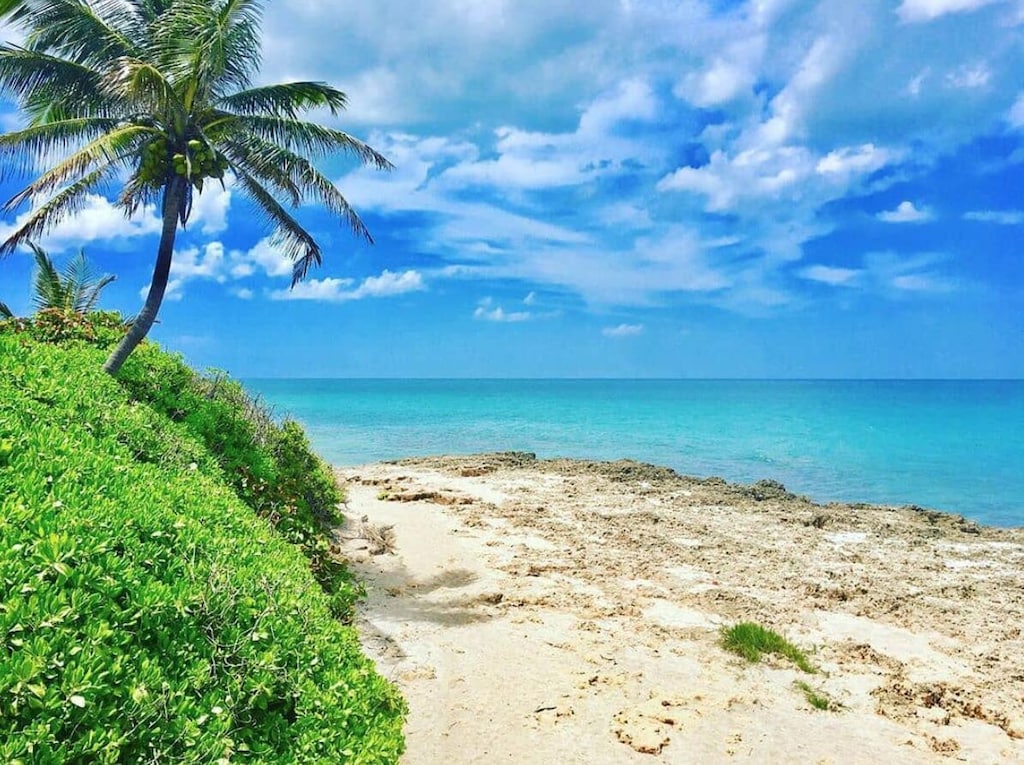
(569, 612)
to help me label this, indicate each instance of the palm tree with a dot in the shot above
(76, 289)
(157, 96)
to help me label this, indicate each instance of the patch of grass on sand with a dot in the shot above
(815, 698)
(751, 640)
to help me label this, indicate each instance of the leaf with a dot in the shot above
(78, 701)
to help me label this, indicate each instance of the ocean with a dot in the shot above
(956, 446)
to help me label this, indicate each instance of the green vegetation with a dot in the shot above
(74, 289)
(815, 698)
(751, 641)
(147, 612)
(160, 92)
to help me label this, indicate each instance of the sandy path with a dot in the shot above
(543, 612)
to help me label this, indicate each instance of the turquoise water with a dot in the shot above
(951, 445)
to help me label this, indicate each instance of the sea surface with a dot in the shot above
(951, 445)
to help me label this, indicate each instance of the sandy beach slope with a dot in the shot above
(570, 612)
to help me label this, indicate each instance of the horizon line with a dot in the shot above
(634, 379)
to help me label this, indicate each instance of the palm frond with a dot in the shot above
(82, 286)
(91, 295)
(146, 88)
(66, 202)
(137, 193)
(306, 180)
(110, 148)
(296, 243)
(310, 138)
(5, 312)
(90, 33)
(13, 11)
(285, 100)
(47, 288)
(74, 289)
(240, 23)
(39, 81)
(151, 10)
(264, 162)
(19, 150)
(209, 47)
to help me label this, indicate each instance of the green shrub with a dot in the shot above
(146, 613)
(103, 329)
(271, 467)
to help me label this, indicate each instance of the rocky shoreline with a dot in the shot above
(914, 615)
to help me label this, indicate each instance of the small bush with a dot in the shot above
(146, 613)
(751, 640)
(271, 467)
(104, 329)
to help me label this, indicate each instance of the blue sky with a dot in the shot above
(632, 188)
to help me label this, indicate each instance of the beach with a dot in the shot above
(572, 611)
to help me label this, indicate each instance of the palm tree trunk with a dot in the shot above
(173, 198)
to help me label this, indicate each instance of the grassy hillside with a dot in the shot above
(167, 593)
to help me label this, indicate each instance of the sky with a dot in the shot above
(619, 188)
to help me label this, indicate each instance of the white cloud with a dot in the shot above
(855, 160)
(98, 220)
(837, 277)
(339, 290)
(631, 100)
(623, 330)
(901, 274)
(1016, 114)
(210, 209)
(913, 11)
(727, 181)
(725, 79)
(1002, 217)
(774, 173)
(914, 86)
(496, 54)
(193, 263)
(775, 191)
(388, 284)
(918, 283)
(884, 273)
(970, 76)
(906, 212)
(263, 256)
(212, 262)
(329, 289)
(551, 148)
(486, 310)
(500, 315)
(529, 160)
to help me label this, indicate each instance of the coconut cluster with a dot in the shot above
(194, 161)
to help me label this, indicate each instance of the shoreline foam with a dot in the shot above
(565, 610)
